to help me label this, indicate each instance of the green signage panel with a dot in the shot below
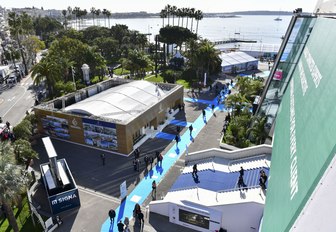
(305, 130)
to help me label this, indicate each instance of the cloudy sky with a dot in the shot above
(156, 5)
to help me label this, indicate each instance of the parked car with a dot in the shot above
(12, 79)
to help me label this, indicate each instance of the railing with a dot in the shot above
(184, 188)
(233, 155)
(234, 189)
(247, 158)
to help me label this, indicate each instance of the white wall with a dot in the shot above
(236, 154)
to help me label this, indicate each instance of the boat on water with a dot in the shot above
(278, 19)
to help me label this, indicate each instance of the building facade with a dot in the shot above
(113, 115)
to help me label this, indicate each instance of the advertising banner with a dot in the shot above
(304, 137)
(100, 134)
(278, 75)
(64, 201)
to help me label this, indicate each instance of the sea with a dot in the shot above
(259, 28)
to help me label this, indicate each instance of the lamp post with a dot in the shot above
(86, 70)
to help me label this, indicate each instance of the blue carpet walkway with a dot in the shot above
(144, 187)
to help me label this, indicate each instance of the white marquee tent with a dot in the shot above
(235, 62)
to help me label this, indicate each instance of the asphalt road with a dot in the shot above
(15, 100)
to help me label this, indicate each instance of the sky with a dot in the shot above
(155, 6)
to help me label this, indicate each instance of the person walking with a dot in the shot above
(177, 140)
(146, 160)
(194, 173)
(204, 115)
(241, 183)
(151, 160)
(126, 223)
(160, 160)
(120, 226)
(112, 215)
(103, 158)
(141, 218)
(191, 129)
(154, 189)
(157, 155)
(241, 171)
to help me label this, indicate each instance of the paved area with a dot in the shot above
(99, 184)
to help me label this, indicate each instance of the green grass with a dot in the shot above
(185, 84)
(152, 78)
(117, 71)
(96, 79)
(23, 219)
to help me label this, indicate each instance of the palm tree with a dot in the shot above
(243, 84)
(93, 10)
(20, 25)
(179, 15)
(75, 12)
(188, 15)
(69, 13)
(173, 12)
(258, 129)
(64, 13)
(168, 10)
(192, 15)
(184, 14)
(198, 17)
(97, 12)
(12, 182)
(46, 70)
(163, 15)
(108, 14)
(236, 102)
(104, 13)
(210, 56)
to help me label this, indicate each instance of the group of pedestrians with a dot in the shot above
(122, 227)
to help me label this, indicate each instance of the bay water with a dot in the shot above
(261, 28)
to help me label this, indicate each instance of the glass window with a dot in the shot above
(194, 219)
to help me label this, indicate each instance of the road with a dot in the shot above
(16, 100)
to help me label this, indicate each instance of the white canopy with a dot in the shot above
(121, 103)
(236, 58)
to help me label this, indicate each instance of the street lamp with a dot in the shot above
(86, 71)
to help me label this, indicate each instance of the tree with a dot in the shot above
(13, 182)
(23, 130)
(97, 12)
(93, 12)
(24, 152)
(192, 16)
(20, 26)
(163, 15)
(108, 15)
(198, 17)
(33, 45)
(46, 70)
(65, 23)
(257, 130)
(104, 13)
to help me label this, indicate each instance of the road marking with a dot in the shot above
(11, 99)
(25, 90)
(99, 194)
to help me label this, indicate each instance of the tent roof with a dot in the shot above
(121, 103)
(235, 58)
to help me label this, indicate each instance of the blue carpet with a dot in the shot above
(162, 135)
(179, 123)
(144, 187)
